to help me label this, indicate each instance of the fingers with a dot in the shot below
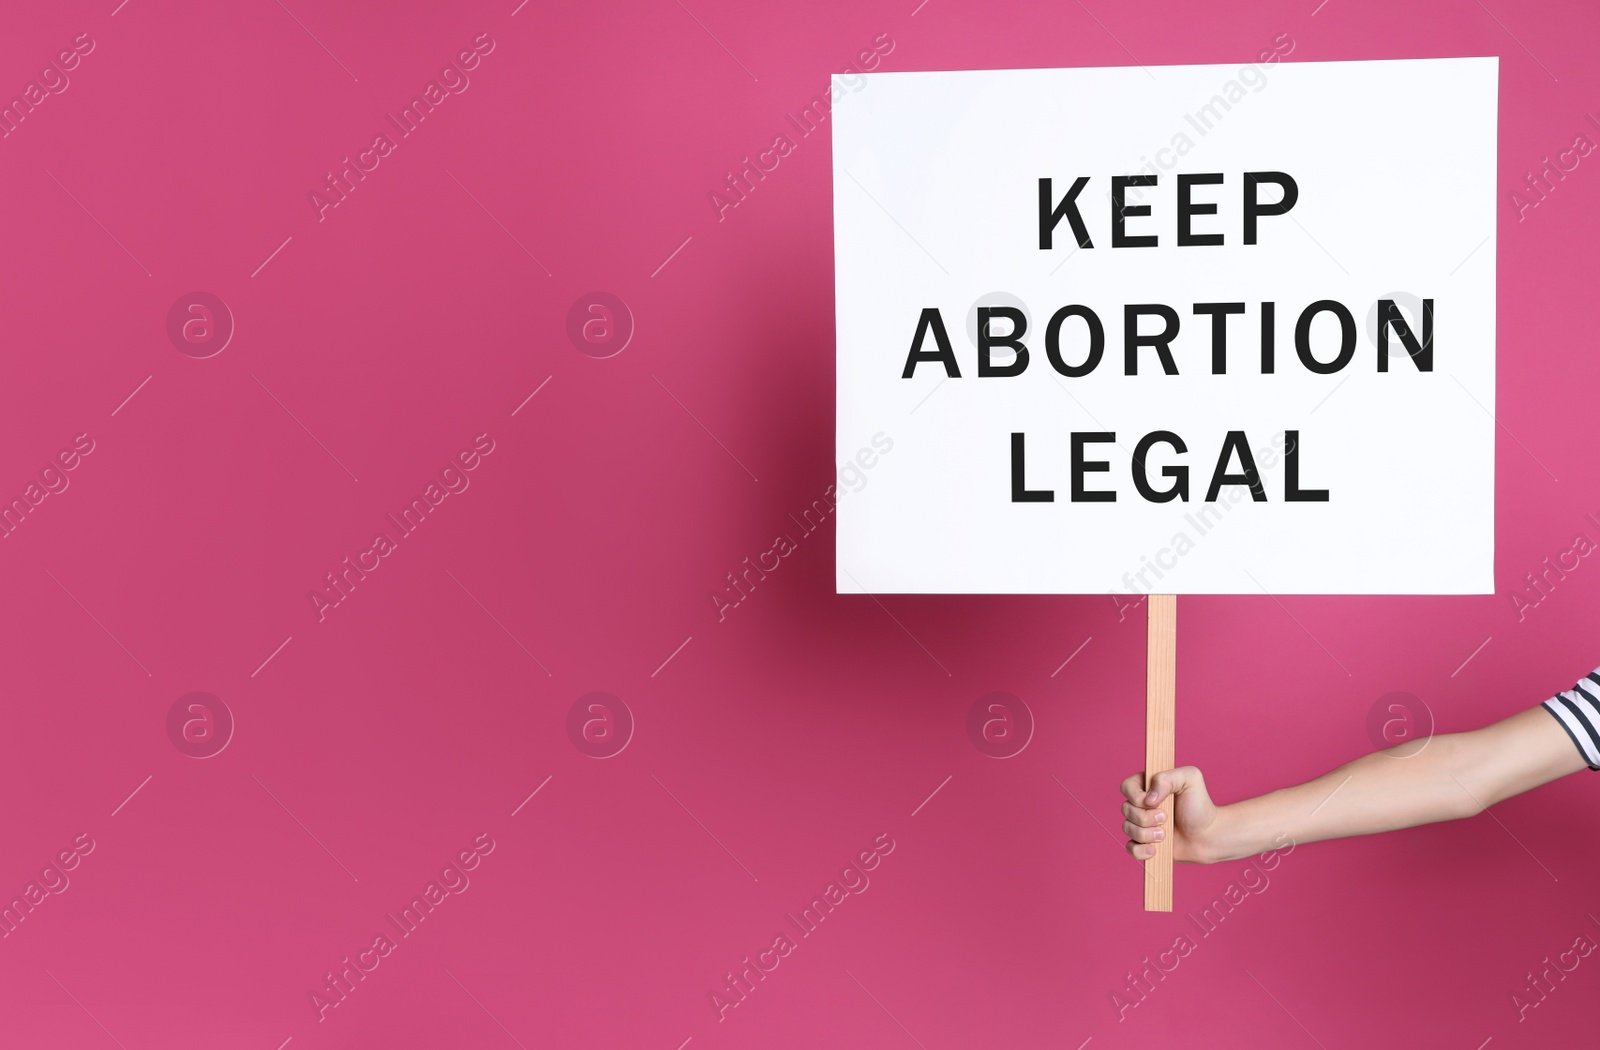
(1144, 827)
(1144, 818)
(1170, 782)
(1144, 822)
(1138, 833)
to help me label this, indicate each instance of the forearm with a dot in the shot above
(1377, 792)
(1453, 776)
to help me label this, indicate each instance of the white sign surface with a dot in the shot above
(1310, 461)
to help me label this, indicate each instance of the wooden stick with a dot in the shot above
(1160, 711)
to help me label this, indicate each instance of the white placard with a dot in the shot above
(937, 211)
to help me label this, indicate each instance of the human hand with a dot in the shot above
(1193, 828)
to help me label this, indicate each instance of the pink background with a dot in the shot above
(773, 746)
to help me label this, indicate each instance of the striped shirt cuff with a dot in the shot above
(1578, 711)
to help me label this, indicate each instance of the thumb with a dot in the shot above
(1172, 782)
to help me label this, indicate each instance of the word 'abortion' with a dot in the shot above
(1140, 334)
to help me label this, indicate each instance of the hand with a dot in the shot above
(1194, 826)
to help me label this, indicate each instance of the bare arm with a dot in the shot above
(1457, 775)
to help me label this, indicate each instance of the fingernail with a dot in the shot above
(1161, 815)
(1160, 834)
(1150, 799)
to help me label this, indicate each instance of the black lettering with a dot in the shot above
(1268, 335)
(1121, 212)
(1052, 341)
(1235, 442)
(930, 319)
(1020, 493)
(1219, 332)
(1080, 467)
(1187, 210)
(1254, 208)
(1347, 338)
(1141, 477)
(1292, 492)
(1421, 353)
(1132, 340)
(1013, 341)
(1049, 218)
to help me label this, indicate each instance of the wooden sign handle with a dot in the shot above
(1160, 710)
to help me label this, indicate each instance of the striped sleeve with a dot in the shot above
(1578, 711)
